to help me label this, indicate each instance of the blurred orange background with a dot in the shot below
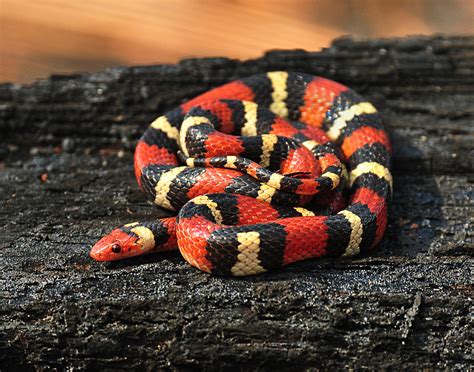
(39, 38)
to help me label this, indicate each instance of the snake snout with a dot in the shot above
(99, 250)
(114, 246)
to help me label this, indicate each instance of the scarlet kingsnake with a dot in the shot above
(240, 161)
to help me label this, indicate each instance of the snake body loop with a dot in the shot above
(263, 171)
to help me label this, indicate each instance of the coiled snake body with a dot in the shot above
(239, 163)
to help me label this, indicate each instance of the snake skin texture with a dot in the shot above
(263, 171)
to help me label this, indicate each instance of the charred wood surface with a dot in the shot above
(66, 153)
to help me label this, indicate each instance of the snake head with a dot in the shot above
(136, 238)
(117, 245)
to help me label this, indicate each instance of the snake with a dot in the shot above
(261, 172)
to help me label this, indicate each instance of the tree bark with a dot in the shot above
(66, 178)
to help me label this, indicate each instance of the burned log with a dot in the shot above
(66, 179)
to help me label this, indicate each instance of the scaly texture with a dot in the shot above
(406, 304)
(280, 140)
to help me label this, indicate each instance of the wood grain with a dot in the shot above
(67, 179)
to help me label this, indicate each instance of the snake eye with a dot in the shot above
(116, 248)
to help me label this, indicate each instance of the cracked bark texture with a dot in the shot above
(66, 178)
